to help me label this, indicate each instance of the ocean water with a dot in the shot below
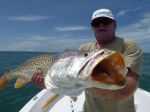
(12, 100)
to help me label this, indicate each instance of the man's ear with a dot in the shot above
(92, 28)
(115, 24)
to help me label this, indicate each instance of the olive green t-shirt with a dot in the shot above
(133, 59)
(130, 50)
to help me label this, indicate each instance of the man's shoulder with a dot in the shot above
(127, 41)
(130, 43)
(124, 39)
(87, 46)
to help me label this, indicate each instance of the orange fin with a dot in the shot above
(3, 82)
(49, 101)
(21, 81)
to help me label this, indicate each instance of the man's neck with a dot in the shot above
(103, 44)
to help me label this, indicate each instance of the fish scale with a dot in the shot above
(25, 71)
(42, 62)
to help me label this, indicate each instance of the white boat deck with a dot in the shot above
(66, 104)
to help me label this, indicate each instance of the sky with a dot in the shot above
(56, 25)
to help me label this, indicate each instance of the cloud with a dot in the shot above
(29, 43)
(139, 31)
(28, 18)
(48, 44)
(68, 43)
(124, 12)
(71, 28)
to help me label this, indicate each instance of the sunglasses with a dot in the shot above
(104, 21)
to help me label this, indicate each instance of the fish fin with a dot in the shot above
(3, 81)
(49, 101)
(21, 81)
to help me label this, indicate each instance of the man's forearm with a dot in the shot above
(130, 87)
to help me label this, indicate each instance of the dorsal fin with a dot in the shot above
(20, 82)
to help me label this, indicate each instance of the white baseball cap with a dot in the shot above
(102, 13)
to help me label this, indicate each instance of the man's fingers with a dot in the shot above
(38, 79)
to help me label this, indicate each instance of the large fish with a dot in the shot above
(78, 70)
(73, 71)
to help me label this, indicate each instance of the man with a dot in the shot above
(100, 100)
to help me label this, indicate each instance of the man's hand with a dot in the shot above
(38, 79)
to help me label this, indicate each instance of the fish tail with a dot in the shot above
(3, 81)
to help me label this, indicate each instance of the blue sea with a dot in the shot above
(12, 100)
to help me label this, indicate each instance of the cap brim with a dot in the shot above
(100, 16)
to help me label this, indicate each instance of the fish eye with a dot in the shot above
(86, 54)
(102, 53)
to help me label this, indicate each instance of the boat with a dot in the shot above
(40, 102)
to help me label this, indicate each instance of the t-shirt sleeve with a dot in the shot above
(133, 56)
(81, 47)
(85, 47)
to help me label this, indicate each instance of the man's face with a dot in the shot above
(104, 29)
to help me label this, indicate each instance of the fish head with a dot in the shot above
(105, 69)
(64, 71)
(69, 63)
(99, 68)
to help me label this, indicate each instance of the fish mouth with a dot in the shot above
(106, 67)
(110, 70)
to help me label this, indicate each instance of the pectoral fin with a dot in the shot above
(49, 101)
(20, 82)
